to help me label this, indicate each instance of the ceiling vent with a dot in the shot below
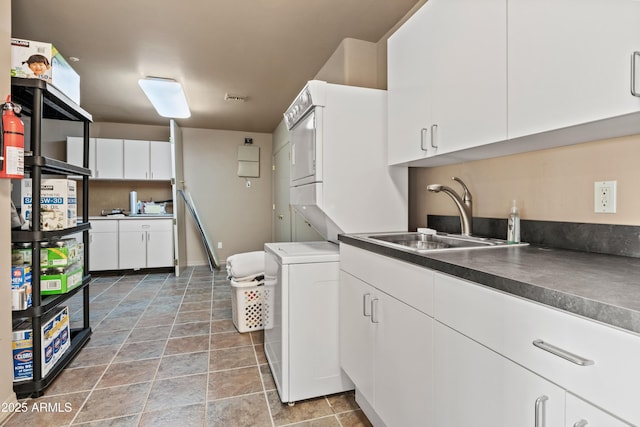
(228, 97)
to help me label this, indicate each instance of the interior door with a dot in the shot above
(177, 184)
(281, 208)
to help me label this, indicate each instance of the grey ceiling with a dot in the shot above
(264, 50)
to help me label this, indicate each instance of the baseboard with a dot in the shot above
(9, 402)
(368, 410)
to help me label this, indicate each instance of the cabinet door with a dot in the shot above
(160, 160)
(408, 94)
(103, 250)
(581, 414)
(75, 152)
(356, 333)
(136, 159)
(468, 73)
(109, 158)
(159, 248)
(403, 364)
(569, 62)
(132, 247)
(478, 387)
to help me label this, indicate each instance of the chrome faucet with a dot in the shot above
(464, 204)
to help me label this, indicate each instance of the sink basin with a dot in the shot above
(438, 242)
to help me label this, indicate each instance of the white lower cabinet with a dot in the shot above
(145, 244)
(428, 349)
(475, 386)
(103, 245)
(386, 344)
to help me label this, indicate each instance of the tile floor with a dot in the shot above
(164, 352)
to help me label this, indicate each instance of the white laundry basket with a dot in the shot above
(247, 305)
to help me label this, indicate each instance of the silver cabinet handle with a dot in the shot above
(581, 423)
(366, 305)
(540, 415)
(557, 351)
(374, 311)
(423, 133)
(633, 73)
(434, 128)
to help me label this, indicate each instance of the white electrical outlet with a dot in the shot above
(604, 197)
(219, 245)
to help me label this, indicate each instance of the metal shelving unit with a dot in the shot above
(40, 100)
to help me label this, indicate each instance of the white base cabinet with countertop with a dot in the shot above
(386, 341)
(484, 358)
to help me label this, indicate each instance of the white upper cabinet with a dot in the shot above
(136, 159)
(447, 79)
(160, 160)
(570, 63)
(75, 150)
(109, 158)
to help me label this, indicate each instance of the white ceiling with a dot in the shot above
(264, 50)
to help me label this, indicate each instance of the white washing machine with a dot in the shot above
(301, 334)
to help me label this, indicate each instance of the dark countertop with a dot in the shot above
(605, 288)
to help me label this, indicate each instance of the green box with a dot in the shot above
(60, 280)
(62, 253)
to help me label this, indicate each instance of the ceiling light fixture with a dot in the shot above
(166, 96)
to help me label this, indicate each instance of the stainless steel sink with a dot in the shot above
(420, 242)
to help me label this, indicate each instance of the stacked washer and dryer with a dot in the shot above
(341, 183)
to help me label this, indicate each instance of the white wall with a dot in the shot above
(6, 364)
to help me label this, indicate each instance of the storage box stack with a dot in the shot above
(248, 301)
(58, 199)
(61, 263)
(56, 339)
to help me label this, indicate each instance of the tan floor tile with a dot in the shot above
(129, 373)
(343, 402)
(114, 402)
(128, 421)
(267, 377)
(225, 325)
(354, 419)
(187, 345)
(68, 404)
(228, 358)
(140, 350)
(183, 364)
(190, 329)
(151, 319)
(101, 338)
(94, 356)
(75, 380)
(229, 339)
(330, 421)
(194, 306)
(193, 316)
(243, 411)
(235, 382)
(180, 391)
(139, 334)
(304, 410)
(192, 415)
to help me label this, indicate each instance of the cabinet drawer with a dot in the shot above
(406, 282)
(509, 325)
(146, 225)
(104, 226)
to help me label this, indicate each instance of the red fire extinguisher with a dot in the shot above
(11, 141)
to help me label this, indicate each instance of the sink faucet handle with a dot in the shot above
(466, 196)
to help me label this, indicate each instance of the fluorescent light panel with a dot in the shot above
(166, 96)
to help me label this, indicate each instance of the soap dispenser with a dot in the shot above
(513, 225)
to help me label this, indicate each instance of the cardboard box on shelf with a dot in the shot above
(58, 201)
(38, 60)
(20, 287)
(30, 59)
(60, 280)
(56, 339)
